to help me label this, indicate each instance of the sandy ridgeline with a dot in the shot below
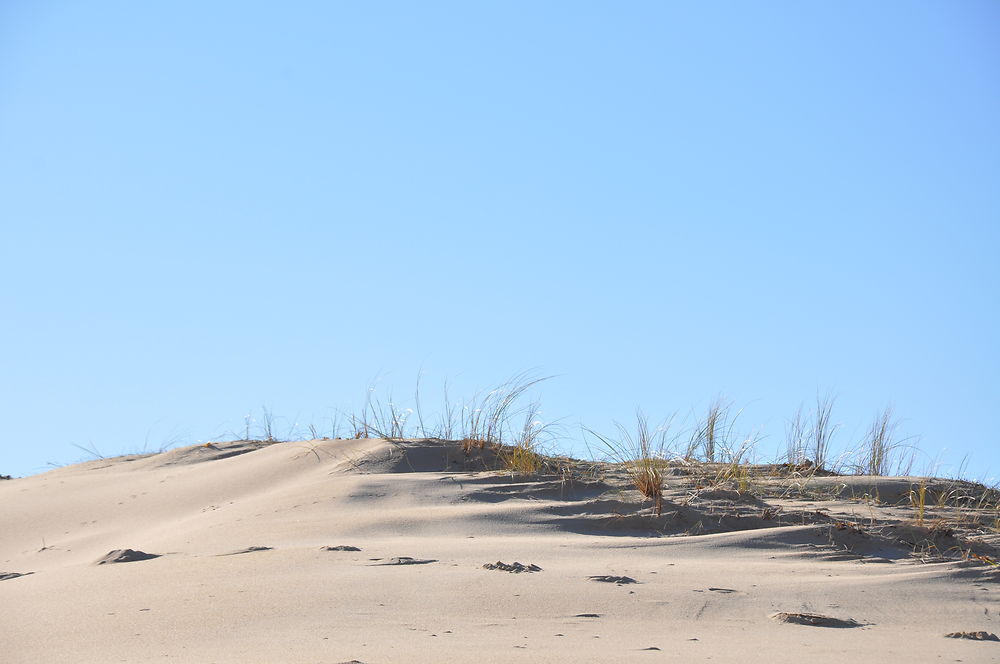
(371, 551)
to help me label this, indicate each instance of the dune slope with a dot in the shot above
(374, 551)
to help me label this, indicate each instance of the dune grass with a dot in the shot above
(822, 430)
(918, 499)
(642, 455)
(736, 467)
(484, 421)
(509, 428)
(510, 425)
(523, 456)
(795, 439)
(880, 446)
(505, 421)
(712, 432)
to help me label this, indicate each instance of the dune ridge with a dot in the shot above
(421, 550)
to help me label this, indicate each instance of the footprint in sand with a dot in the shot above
(975, 636)
(249, 549)
(403, 560)
(617, 580)
(513, 568)
(813, 620)
(12, 575)
(341, 547)
(125, 556)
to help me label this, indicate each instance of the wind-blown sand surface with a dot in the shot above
(247, 569)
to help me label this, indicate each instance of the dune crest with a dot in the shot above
(611, 577)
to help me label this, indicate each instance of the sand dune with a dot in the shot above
(376, 551)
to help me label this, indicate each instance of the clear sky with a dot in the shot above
(212, 207)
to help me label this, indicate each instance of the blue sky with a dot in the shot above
(210, 208)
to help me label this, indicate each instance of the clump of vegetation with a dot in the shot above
(880, 446)
(795, 439)
(736, 467)
(822, 431)
(642, 456)
(523, 455)
(378, 420)
(918, 499)
(263, 430)
(719, 482)
(485, 419)
(712, 432)
(482, 421)
(514, 434)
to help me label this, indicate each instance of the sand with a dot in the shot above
(376, 551)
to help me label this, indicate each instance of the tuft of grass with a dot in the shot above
(266, 429)
(481, 422)
(484, 420)
(446, 428)
(316, 434)
(918, 500)
(521, 459)
(879, 444)
(946, 495)
(712, 432)
(641, 455)
(822, 431)
(92, 450)
(795, 439)
(267, 424)
(416, 404)
(523, 456)
(736, 466)
(379, 420)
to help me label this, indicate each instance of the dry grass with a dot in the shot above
(918, 500)
(379, 420)
(879, 444)
(736, 468)
(486, 417)
(712, 432)
(642, 456)
(795, 439)
(822, 430)
(523, 456)
(514, 434)
(484, 420)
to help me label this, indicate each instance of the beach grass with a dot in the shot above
(642, 455)
(507, 422)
